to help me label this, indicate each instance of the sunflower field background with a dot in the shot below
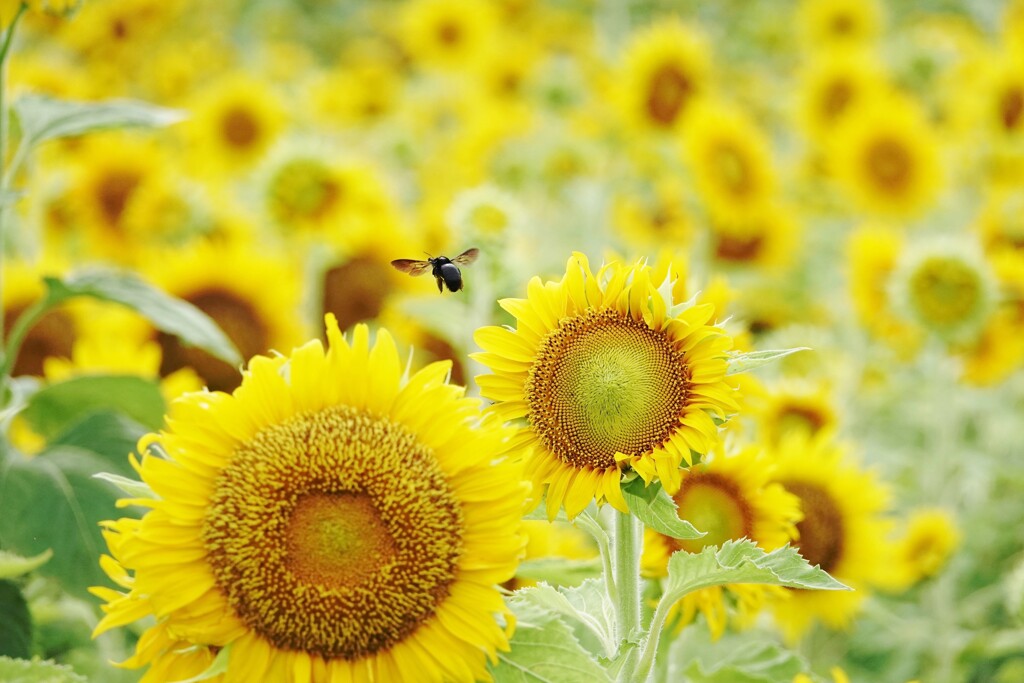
(188, 185)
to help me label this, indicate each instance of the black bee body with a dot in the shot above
(445, 270)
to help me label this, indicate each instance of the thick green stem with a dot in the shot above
(627, 542)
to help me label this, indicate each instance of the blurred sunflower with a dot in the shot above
(839, 23)
(1003, 97)
(234, 121)
(765, 238)
(729, 498)
(356, 94)
(792, 406)
(229, 282)
(444, 35)
(832, 86)
(873, 254)
(946, 288)
(609, 375)
(923, 549)
(886, 158)
(656, 217)
(326, 521)
(729, 161)
(665, 69)
(843, 530)
(1001, 224)
(54, 334)
(998, 350)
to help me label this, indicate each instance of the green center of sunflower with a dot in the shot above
(945, 291)
(303, 189)
(793, 417)
(604, 384)
(670, 87)
(715, 505)
(334, 533)
(822, 531)
(731, 168)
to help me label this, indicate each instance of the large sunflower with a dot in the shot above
(609, 375)
(729, 498)
(844, 530)
(326, 521)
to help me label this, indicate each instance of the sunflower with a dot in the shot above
(609, 376)
(654, 216)
(839, 23)
(729, 498)
(666, 68)
(833, 86)
(925, 546)
(234, 122)
(326, 521)
(765, 238)
(886, 158)
(947, 288)
(1001, 224)
(445, 35)
(844, 530)
(730, 162)
(795, 405)
(873, 254)
(229, 282)
(54, 334)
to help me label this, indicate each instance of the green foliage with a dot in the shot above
(43, 118)
(743, 562)
(559, 570)
(169, 314)
(36, 671)
(544, 648)
(742, 362)
(656, 509)
(734, 658)
(15, 623)
(54, 501)
(12, 565)
(67, 412)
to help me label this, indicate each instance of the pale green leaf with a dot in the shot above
(560, 571)
(734, 658)
(44, 118)
(544, 650)
(169, 314)
(67, 410)
(132, 487)
(743, 562)
(36, 671)
(12, 565)
(656, 509)
(742, 362)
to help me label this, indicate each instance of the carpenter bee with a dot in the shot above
(445, 270)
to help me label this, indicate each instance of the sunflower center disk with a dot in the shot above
(822, 531)
(334, 533)
(604, 384)
(714, 505)
(945, 291)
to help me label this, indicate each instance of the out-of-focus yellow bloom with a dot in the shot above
(925, 546)
(447, 35)
(834, 84)
(886, 158)
(730, 162)
(839, 23)
(666, 68)
(766, 238)
(794, 406)
(655, 216)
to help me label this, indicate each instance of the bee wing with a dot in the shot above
(411, 266)
(466, 257)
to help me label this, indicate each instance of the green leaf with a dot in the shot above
(171, 315)
(110, 435)
(586, 608)
(743, 562)
(544, 650)
(45, 118)
(559, 570)
(15, 623)
(63, 410)
(734, 658)
(53, 500)
(656, 509)
(36, 671)
(12, 565)
(741, 362)
(133, 487)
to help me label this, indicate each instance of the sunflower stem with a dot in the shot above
(626, 550)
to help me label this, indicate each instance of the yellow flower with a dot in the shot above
(666, 68)
(767, 237)
(929, 539)
(795, 406)
(328, 520)
(729, 498)
(832, 86)
(229, 281)
(609, 376)
(886, 158)
(843, 530)
(447, 35)
(657, 217)
(54, 334)
(234, 121)
(824, 23)
(730, 162)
